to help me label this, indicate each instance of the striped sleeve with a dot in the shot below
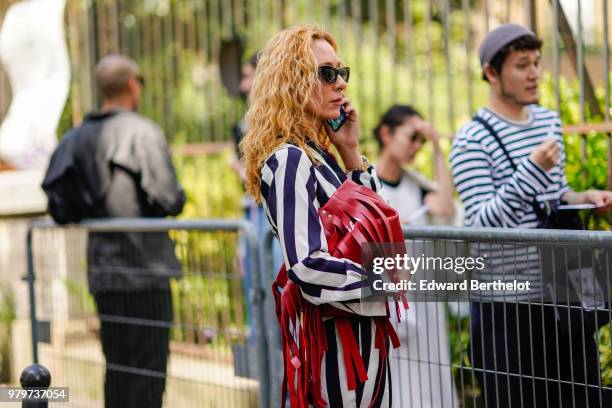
(366, 178)
(288, 192)
(486, 206)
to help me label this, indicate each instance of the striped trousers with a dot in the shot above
(376, 391)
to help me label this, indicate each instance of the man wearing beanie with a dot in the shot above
(507, 163)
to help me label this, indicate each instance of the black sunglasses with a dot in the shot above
(418, 137)
(140, 80)
(330, 74)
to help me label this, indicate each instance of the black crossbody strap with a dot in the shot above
(493, 133)
(534, 204)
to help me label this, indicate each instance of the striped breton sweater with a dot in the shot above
(494, 195)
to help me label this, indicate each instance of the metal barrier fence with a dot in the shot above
(457, 353)
(562, 361)
(447, 359)
(147, 313)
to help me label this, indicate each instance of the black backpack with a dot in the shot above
(70, 197)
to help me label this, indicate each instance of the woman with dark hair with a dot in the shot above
(420, 369)
(400, 134)
(336, 353)
(239, 129)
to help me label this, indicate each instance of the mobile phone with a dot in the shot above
(337, 123)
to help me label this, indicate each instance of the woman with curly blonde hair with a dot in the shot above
(299, 85)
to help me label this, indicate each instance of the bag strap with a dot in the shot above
(540, 213)
(493, 133)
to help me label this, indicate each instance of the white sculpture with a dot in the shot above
(34, 55)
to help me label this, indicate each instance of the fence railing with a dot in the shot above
(458, 348)
(191, 318)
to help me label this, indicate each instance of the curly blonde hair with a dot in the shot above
(285, 76)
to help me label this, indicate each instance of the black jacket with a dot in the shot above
(116, 164)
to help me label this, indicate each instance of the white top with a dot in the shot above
(407, 197)
(420, 368)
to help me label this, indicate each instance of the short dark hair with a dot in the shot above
(393, 118)
(525, 42)
(113, 73)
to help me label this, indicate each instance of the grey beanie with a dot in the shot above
(500, 37)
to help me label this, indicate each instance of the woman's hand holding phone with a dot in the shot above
(346, 138)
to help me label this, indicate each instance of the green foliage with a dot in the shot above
(7, 316)
(208, 309)
(459, 337)
(587, 156)
(604, 339)
(201, 109)
(209, 303)
(213, 190)
(7, 307)
(66, 120)
(80, 294)
(208, 298)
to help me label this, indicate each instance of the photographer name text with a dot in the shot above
(433, 285)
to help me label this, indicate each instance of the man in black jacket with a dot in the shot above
(116, 164)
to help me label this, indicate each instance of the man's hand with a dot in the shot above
(601, 199)
(546, 155)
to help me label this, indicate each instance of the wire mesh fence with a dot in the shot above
(124, 311)
(549, 345)
(546, 346)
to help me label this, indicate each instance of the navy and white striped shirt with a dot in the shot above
(494, 195)
(293, 189)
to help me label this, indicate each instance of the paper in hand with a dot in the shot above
(577, 207)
